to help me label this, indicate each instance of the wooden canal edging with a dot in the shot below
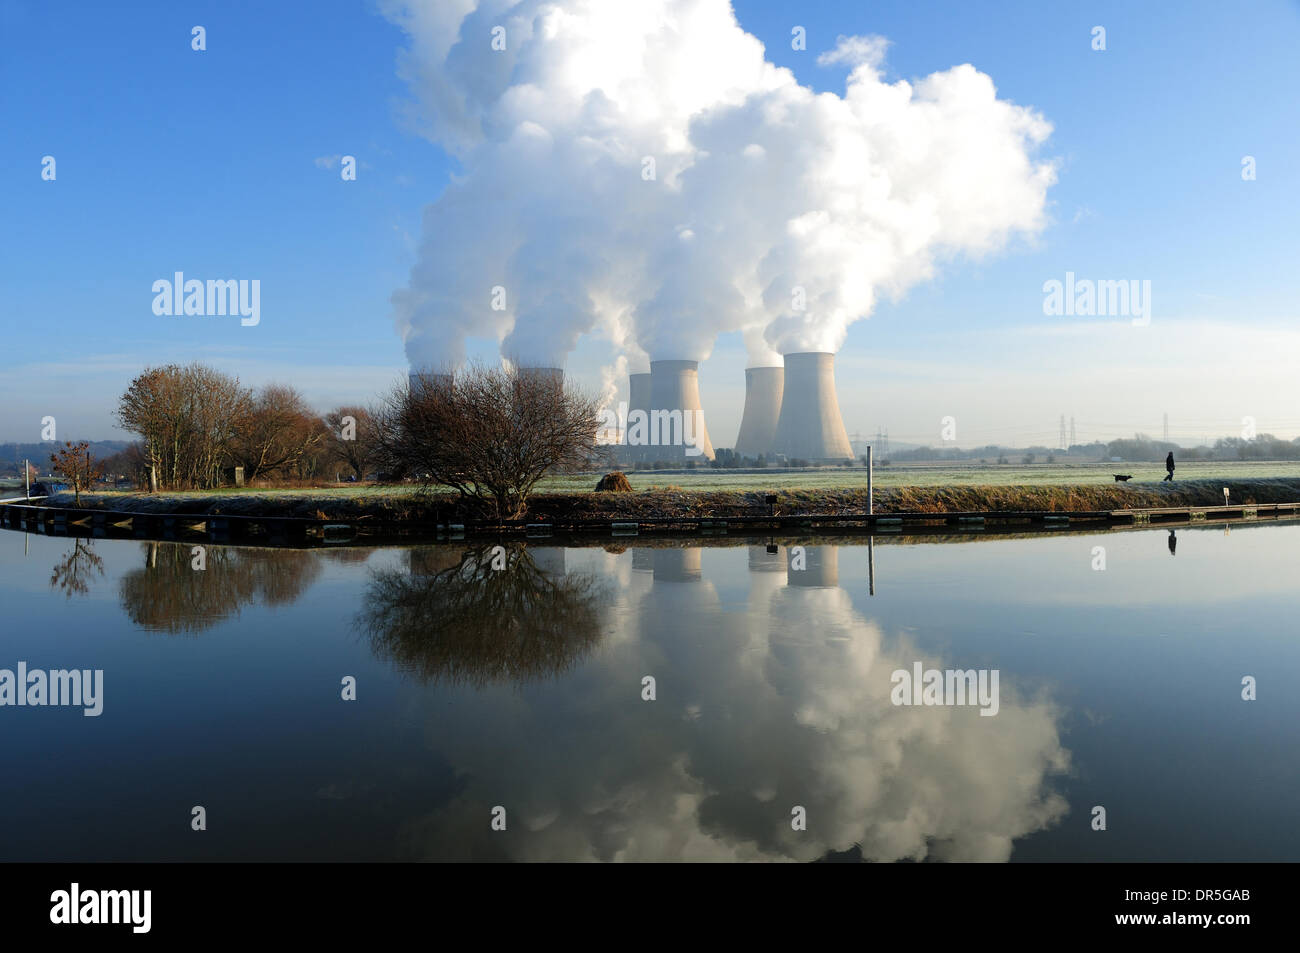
(309, 531)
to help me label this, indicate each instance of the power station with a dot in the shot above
(790, 411)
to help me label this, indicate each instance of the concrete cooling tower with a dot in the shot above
(415, 378)
(763, 389)
(638, 399)
(546, 373)
(810, 427)
(674, 409)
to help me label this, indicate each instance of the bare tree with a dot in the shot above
(277, 433)
(217, 405)
(353, 438)
(186, 418)
(489, 433)
(74, 464)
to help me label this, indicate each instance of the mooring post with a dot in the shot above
(870, 466)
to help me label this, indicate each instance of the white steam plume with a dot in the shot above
(772, 208)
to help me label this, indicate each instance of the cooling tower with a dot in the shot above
(675, 412)
(638, 399)
(414, 378)
(810, 427)
(763, 387)
(546, 373)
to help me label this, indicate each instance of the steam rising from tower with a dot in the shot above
(770, 208)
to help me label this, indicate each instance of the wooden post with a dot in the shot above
(870, 494)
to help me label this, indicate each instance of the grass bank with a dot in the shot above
(402, 504)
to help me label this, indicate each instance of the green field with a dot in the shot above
(915, 475)
(1045, 474)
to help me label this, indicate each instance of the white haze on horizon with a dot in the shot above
(761, 185)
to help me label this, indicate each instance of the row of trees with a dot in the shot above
(489, 434)
(196, 423)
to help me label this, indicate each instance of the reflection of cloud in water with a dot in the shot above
(784, 704)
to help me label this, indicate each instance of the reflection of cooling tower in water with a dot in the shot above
(810, 427)
(643, 560)
(549, 559)
(767, 575)
(676, 417)
(678, 565)
(760, 560)
(763, 389)
(638, 403)
(814, 567)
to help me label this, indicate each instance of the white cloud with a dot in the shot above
(856, 51)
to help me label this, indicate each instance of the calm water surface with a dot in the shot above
(523, 688)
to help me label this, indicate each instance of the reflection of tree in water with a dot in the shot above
(455, 618)
(74, 571)
(169, 595)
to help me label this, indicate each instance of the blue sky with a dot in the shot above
(212, 163)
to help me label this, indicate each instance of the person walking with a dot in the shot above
(1169, 465)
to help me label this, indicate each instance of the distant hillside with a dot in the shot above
(13, 454)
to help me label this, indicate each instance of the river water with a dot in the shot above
(732, 701)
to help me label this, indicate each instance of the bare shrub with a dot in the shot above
(490, 434)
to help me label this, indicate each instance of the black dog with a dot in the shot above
(1122, 477)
